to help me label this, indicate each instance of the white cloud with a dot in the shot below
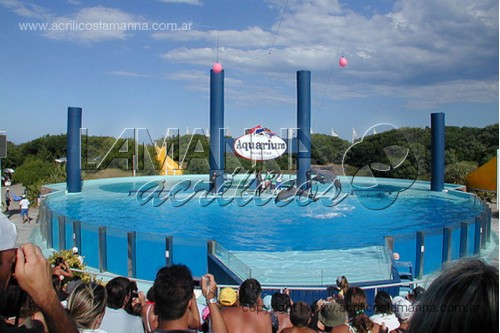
(432, 52)
(95, 24)
(25, 9)
(127, 74)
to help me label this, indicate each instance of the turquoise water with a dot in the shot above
(258, 227)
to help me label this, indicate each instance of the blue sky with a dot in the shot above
(407, 59)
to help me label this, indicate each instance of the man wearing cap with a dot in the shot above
(77, 255)
(403, 310)
(24, 204)
(228, 296)
(331, 315)
(33, 273)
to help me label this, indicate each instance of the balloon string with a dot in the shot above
(330, 76)
(279, 26)
(218, 46)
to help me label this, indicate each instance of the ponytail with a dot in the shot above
(361, 322)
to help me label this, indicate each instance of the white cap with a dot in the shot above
(402, 308)
(8, 234)
(75, 250)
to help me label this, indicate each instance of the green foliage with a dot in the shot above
(73, 263)
(457, 172)
(33, 170)
(197, 166)
(327, 149)
(34, 160)
(46, 148)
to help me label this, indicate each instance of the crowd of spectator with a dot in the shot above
(463, 298)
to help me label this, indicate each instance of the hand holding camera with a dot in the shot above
(208, 286)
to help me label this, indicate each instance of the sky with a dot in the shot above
(127, 66)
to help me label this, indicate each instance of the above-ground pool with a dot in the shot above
(267, 237)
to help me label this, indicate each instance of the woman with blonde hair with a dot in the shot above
(87, 305)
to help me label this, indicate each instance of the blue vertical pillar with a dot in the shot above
(437, 151)
(420, 251)
(217, 141)
(73, 151)
(304, 128)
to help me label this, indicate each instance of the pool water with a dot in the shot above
(268, 227)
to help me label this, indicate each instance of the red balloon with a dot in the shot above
(217, 68)
(343, 62)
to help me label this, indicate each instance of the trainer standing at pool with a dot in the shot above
(24, 204)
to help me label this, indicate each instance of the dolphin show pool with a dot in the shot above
(301, 242)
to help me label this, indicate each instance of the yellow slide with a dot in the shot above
(168, 165)
(484, 177)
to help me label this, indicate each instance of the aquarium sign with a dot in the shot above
(259, 144)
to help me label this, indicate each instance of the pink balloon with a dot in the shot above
(343, 62)
(217, 68)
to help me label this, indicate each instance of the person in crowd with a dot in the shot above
(116, 319)
(249, 316)
(87, 305)
(330, 316)
(403, 310)
(343, 285)
(357, 320)
(415, 295)
(462, 299)
(175, 301)
(228, 297)
(57, 284)
(281, 304)
(383, 311)
(266, 303)
(24, 204)
(134, 307)
(61, 269)
(149, 317)
(300, 316)
(33, 317)
(32, 272)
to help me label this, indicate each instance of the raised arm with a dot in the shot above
(209, 287)
(34, 276)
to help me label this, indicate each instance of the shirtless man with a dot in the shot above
(249, 316)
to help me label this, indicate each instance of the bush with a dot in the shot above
(456, 173)
(32, 171)
(73, 263)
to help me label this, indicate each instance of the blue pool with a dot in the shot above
(254, 227)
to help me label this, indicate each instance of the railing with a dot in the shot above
(139, 255)
(132, 254)
(230, 260)
(461, 239)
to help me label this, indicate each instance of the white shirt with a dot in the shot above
(390, 320)
(89, 330)
(24, 203)
(119, 321)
